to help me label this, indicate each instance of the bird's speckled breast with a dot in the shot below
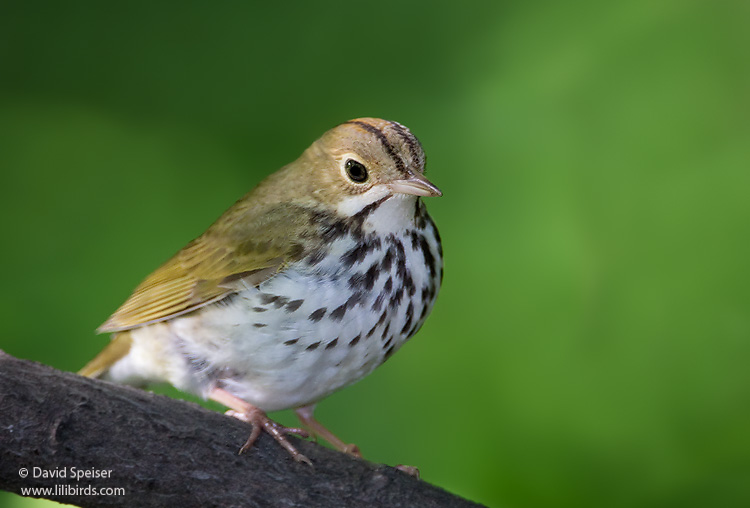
(324, 322)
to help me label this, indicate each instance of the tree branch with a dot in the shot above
(166, 452)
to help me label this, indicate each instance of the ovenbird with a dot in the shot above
(302, 287)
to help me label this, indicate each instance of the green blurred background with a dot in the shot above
(590, 344)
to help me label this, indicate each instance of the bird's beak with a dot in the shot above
(416, 185)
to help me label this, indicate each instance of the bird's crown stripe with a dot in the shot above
(384, 140)
(410, 139)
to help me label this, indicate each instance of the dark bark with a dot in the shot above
(166, 452)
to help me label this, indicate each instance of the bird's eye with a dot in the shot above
(356, 171)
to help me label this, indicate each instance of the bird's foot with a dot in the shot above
(305, 415)
(260, 421)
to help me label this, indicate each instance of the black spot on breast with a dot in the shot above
(371, 276)
(338, 313)
(388, 353)
(400, 259)
(382, 317)
(266, 298)
(318, 314)
(409, 318)
(378, 303)
(395, 299)
(385, 330)
(313, 346)
(435, 233)
(359, 217)
(420, 215)
(280, 302)
(387, 262)
(354, 341)
(355, 255)
(259, 325)
(402, 271)
(372, 331)
(360, 251)
(356, 232)
(259, 309)
(429, 259)
(423, 314)
(294, 305)
(357, 280)
(365, 280)
(316, 257)
(400, 251)
(414, 239)
(408, 284)
(354, 300)
(290, 342)
(332, 344)
(388, 285)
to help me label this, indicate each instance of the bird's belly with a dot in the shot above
(306, 333)
(291, 353)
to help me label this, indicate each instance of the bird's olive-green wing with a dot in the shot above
(208, 269)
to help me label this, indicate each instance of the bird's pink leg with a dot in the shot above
(257, 418)
(305, 415)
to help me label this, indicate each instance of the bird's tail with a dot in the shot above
(116, 349)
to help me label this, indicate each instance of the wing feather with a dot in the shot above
(208, 269)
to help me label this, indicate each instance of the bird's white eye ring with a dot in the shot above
(356, 171)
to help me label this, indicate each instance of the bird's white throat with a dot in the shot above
(394, 215)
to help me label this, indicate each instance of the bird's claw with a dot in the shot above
(260, 421)
(410, 470)
(353, 450)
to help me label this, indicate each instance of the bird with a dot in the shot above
(302, 287)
